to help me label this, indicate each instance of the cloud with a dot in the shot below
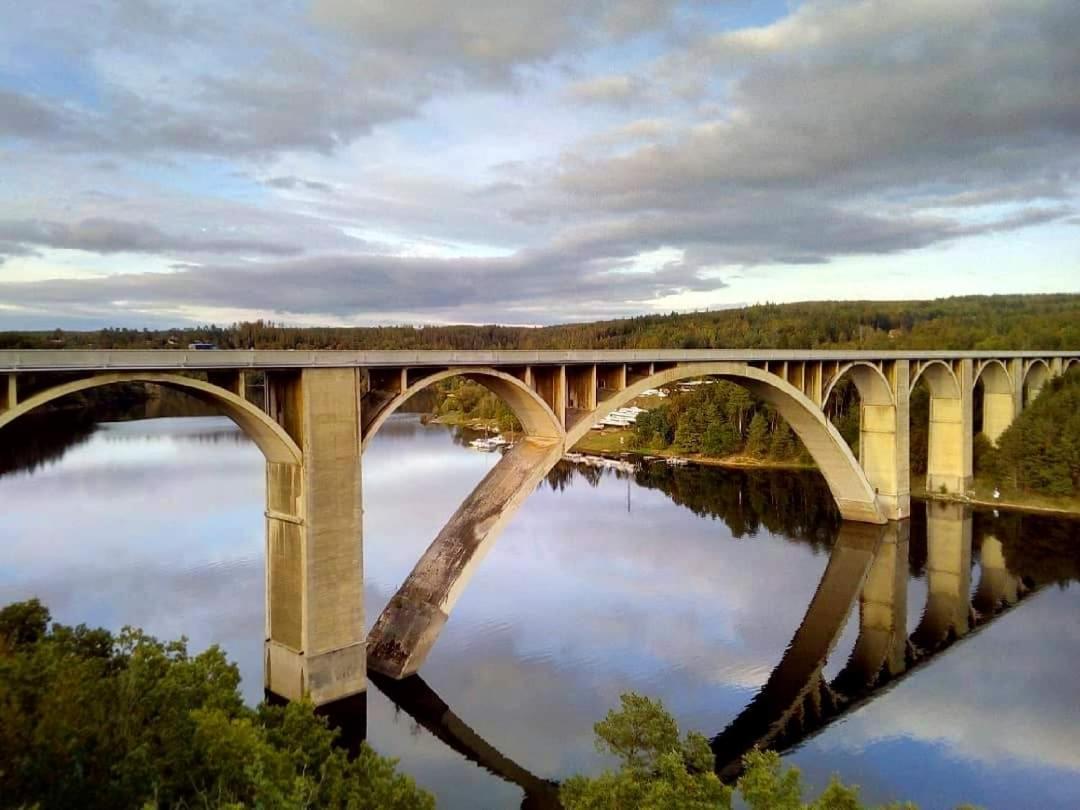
(23, 116)
(114, 236)
(607, 90)
(485, 161)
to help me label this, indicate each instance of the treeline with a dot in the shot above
(718, 419)
(1040, 450)
(972, 322)
(95, 720)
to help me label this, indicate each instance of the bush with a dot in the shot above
(659, 771)
(94, 720)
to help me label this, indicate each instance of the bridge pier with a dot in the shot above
(949, 446)
(314, 556)
(884, 435)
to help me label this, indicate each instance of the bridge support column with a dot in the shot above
(9, 396)
(883, 446)
(949, 451)
(314, 565)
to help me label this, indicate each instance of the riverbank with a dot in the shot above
(982, 494)
(615, 444)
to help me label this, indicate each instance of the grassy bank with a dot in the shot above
(982, 494)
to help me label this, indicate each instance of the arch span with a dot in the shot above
(1036, 376)
(999, 398)
(409, 626)
(275, 444)
(873, 387)
(535, 415)
(849, 484)
(940, 379)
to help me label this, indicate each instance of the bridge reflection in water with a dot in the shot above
(868, 570)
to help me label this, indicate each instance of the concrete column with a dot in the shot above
(9, 394)
(581, 387)
(315, 608)
(1000, 401)
(883, 444)
(948, 574)
(949, 446)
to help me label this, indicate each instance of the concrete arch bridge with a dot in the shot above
(320, 409)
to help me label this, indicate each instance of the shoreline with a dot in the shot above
(745, 463)
(1006, 505)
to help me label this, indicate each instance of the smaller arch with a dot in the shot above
(535, 415)
(873, 386)
(271, 438)
(940, 378)
(995, 377)
(1037, 374)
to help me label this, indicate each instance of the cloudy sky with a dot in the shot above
(364, 161)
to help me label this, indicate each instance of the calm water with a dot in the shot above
(684, 584)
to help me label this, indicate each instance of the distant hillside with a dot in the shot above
(974, 322)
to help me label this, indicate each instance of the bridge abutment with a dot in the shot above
(314, 570)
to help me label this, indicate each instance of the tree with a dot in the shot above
(95, 720)
(757, 443)
(659, 771)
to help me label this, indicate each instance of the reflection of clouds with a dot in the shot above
(987, 706)
(578, 602)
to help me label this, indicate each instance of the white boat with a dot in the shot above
(677, 462)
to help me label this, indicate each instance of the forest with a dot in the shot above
(972, 322)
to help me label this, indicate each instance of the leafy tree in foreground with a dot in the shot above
(95, 720)
(660, 771)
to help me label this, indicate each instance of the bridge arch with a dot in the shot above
(947, 441)
(1037, 374)
(535, 415)
(940, 379)
(999, 399)
(852, 490)
(873, 387)
(409, 626)
(276, 445)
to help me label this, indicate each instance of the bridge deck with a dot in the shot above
(172, 359)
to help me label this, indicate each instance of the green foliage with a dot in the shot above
(472, 401)
(658, 771)
(971, 322)
(757, 442)
(717, 419)
(93, 720)
(1040, 451)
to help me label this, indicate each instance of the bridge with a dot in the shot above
(318, 410)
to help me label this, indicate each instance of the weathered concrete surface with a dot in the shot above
(999, 399)
(949, 448)
(406, 630)
(315, 597)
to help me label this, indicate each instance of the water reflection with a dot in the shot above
(692, 596)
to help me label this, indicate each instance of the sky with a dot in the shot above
(359, 162)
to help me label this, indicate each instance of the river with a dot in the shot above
(683, 584)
